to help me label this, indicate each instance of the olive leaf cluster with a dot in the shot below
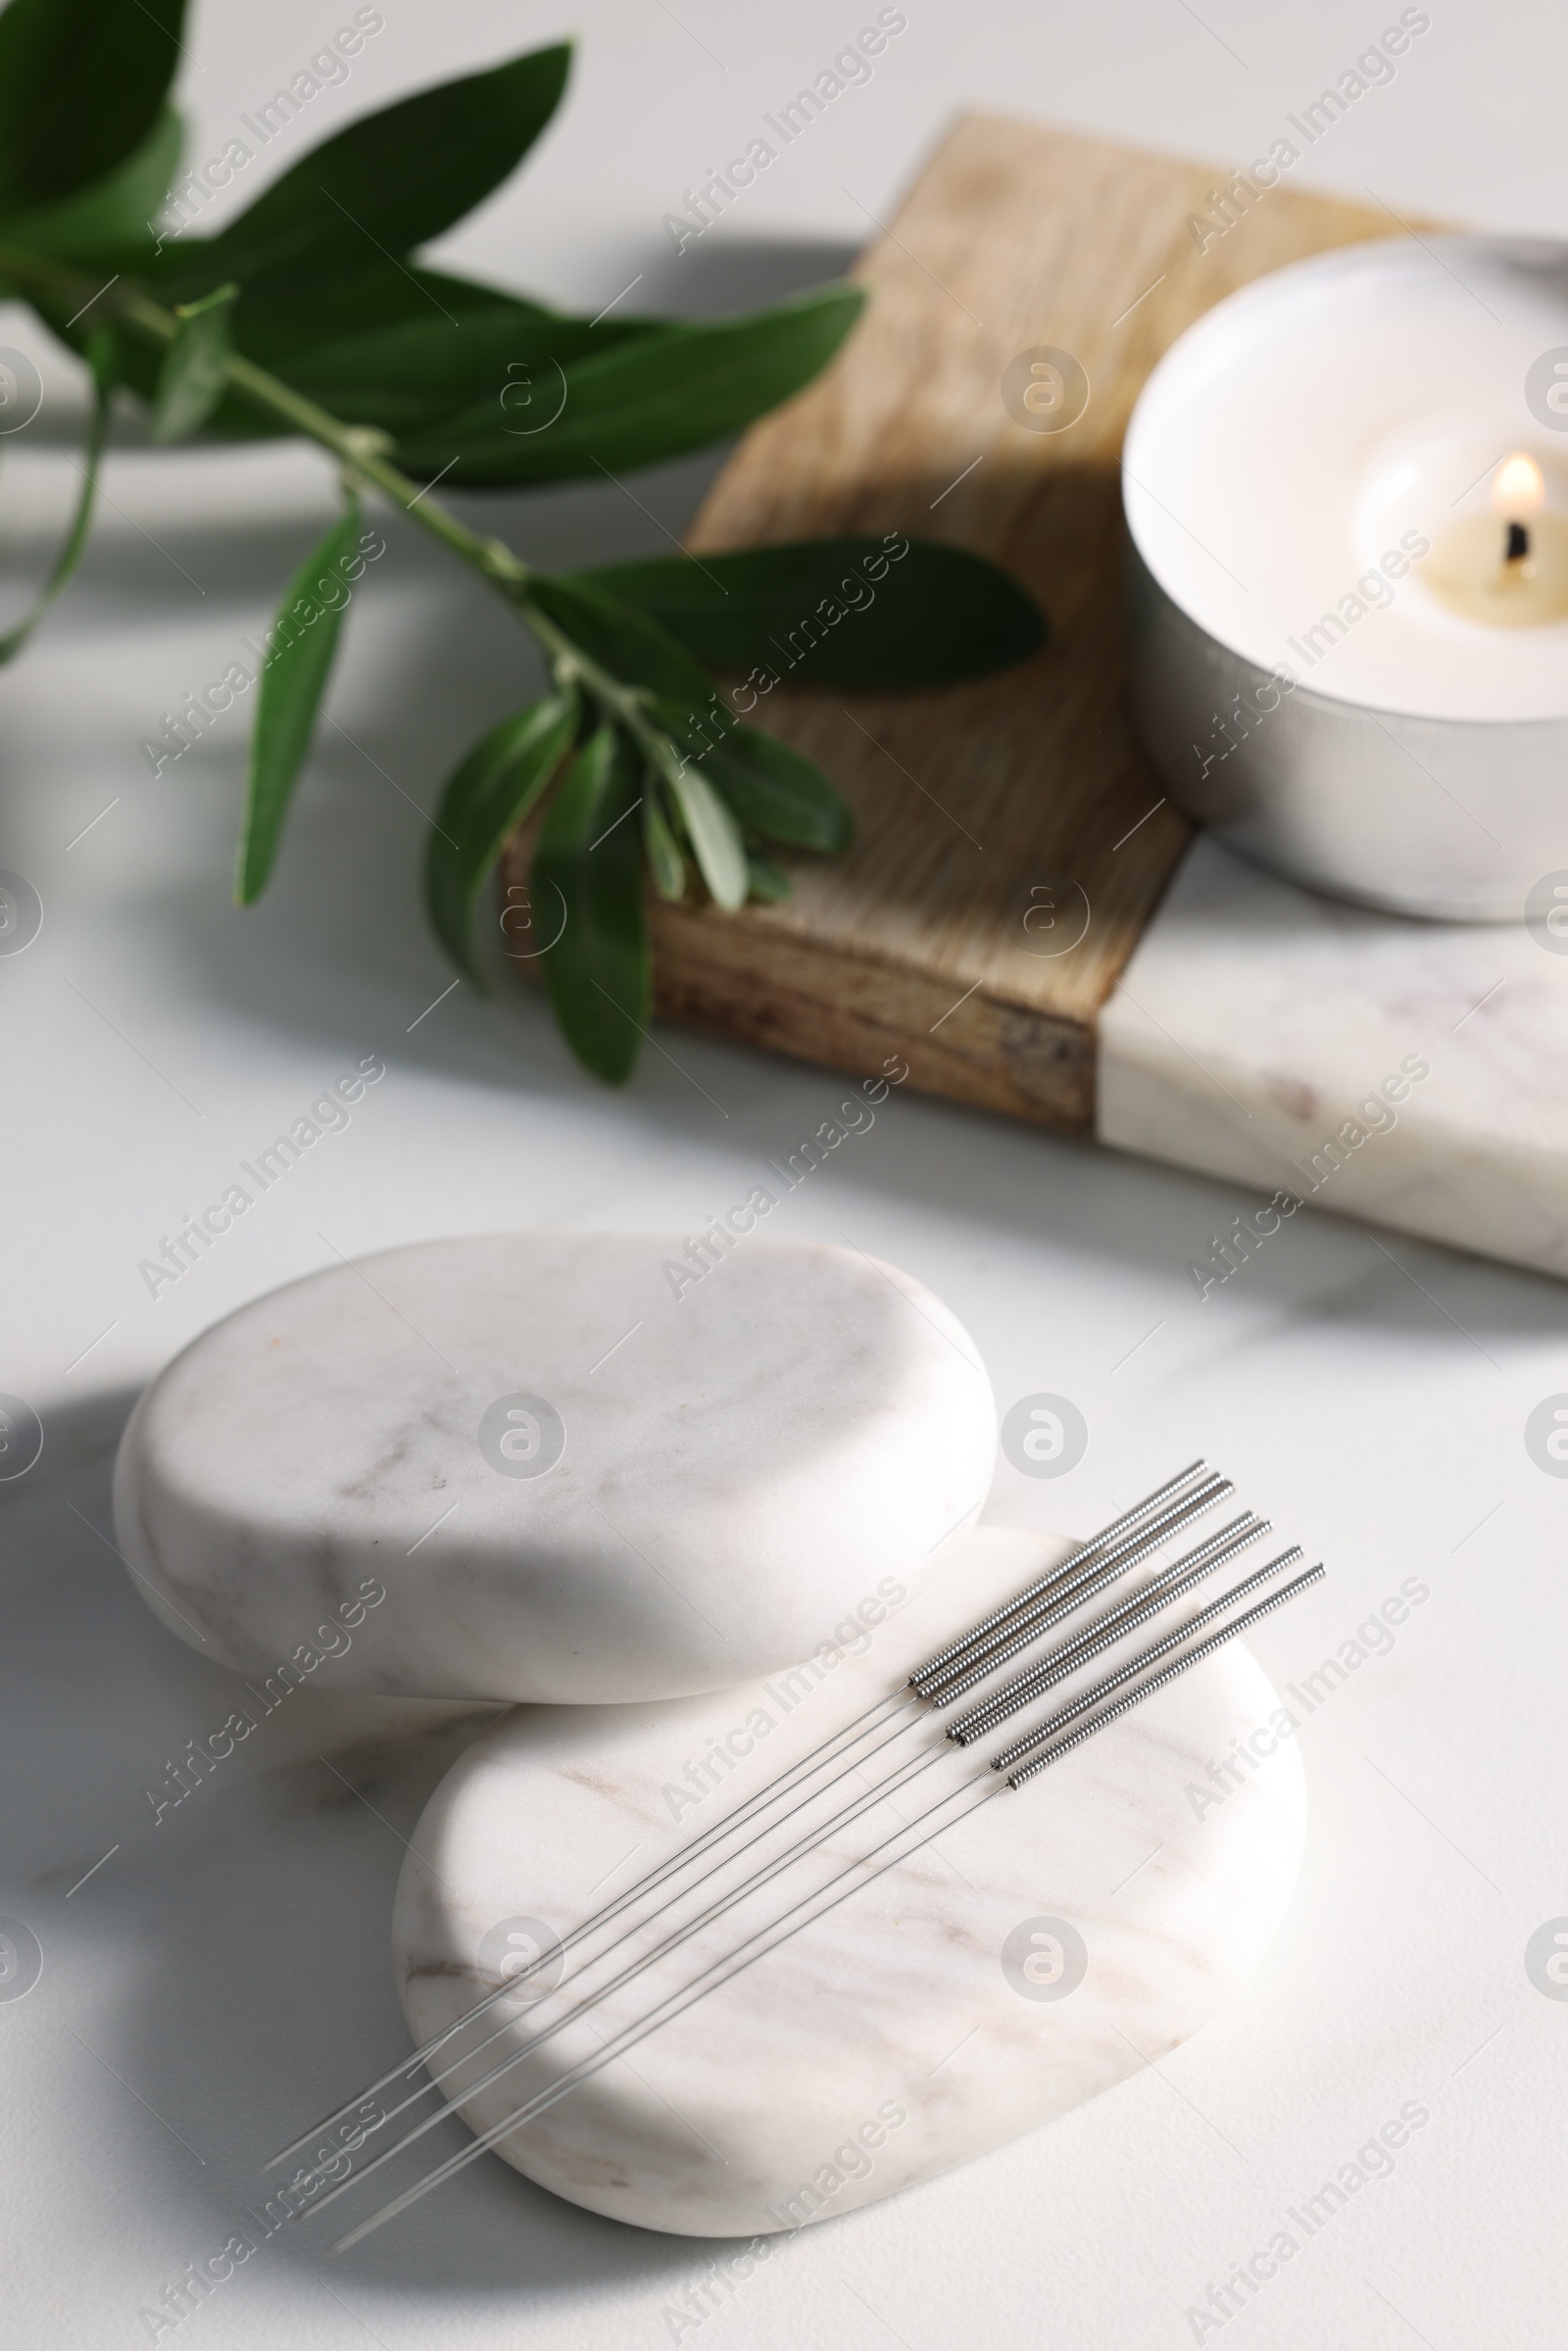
(311, 314)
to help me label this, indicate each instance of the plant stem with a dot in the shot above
(362, 451)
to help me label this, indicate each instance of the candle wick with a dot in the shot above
(1518, 543)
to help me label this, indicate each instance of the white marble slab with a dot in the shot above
(1057, 1939)
(1254, 1019)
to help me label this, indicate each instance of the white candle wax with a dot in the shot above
(1297, 454)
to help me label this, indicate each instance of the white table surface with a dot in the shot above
(222, 1978)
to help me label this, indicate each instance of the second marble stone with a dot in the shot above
(563, 1466)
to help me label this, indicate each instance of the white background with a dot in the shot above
(212, 1987)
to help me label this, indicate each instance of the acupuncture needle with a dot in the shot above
(974, 1667)
(1107, 1534)
(1135, 1697)
(1107, 1629)
(1052, 1593)
(1125, 1555)
(534, 2043)
(812, 1843)
(1045, 1731)
(861, 1727)
(687, 1995)
(630, 2035)
(883, 1710)
(980, 1665)
(1204, 1561)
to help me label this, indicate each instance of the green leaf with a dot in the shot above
(651, 396)
(397, 178)
(840, 612)
(768, 882)
(195, 369)
(405, 349)
(404, 376)
(376, 350)
(589, 850)
(81, 87)
(140, 364)
(486, 796)
(776, 790)
(103, 357)
(393, 348)
(715, 836)
(296, 322)
(303, 643)
(114, 215)
(632, 647)
(664, 861)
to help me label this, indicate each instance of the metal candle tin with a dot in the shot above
(1300, 684)
(1445, 817)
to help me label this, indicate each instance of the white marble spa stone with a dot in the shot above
(559, 1466)
(1032, 1957)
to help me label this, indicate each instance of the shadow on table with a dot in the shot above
(224, 1976)
(288, 1911)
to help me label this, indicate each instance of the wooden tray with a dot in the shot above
(1023, 799)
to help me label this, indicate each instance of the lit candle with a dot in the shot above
(1509, 568)
(1349, 529)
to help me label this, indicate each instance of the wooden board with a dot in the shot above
(984, 807)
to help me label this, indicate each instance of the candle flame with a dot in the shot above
(1518, 486)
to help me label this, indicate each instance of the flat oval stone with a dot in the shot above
(1031, 1957)
(563, 1466)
